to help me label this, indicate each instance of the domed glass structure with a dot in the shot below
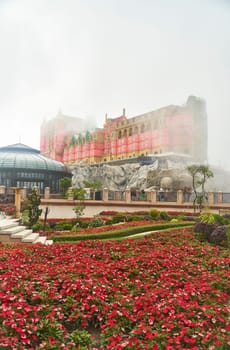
(23, 166)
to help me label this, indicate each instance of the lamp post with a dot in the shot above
(46, 212)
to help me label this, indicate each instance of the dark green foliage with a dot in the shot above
(63, 225)
(181, 217)
(164, 216)
(222, 220)
(65, 183)
(39, 226)
(118, 218)
(96, 222)
(78, 193)
(81, 338)
(154, 214)
(33, 203)
(134, 218)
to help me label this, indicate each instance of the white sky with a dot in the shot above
(89, 57)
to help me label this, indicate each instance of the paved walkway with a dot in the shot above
(64, 209)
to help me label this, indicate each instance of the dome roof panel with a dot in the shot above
(24, 157)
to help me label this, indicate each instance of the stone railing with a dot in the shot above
(130, 196)
(177, 197)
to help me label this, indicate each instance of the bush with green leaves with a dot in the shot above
(174, 220)
(64, 226)
(221, 219)
(96, 222)
(119, 217)
(207, 218)
(81, 338)
(134, 218)
(154, 214)
(181, 217)
(65, 183)
(164, 216)
(33, 210)
(39, 226)
(79, 210)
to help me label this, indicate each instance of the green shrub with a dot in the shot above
(207, 218)
(164, 215)
(136, 218)
(96, 222)
(39, 226)
(154, 214)
(109, 222)
(118, 218)
(25, 217)
(81, 337)
(180, 217)
(63, 226)
(221, 220)
(174, 220)
(84, 224)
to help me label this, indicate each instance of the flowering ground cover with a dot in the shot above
(101, 229)
(167, 291)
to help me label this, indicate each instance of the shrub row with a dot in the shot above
(120, 233)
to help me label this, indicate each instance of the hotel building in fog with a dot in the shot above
(176, 129)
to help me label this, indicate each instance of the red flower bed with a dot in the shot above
(167, 291)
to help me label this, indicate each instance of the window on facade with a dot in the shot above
(119, 134)
(130, 132)
(136, 130)
(125, 133)
(142, 128)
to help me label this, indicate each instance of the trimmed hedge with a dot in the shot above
(120, 233)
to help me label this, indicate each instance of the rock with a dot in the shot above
(166, 174)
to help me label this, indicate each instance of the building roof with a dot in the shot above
(21, 156)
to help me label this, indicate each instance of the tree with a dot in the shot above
(200, 174)
(79, 194)
(93, 185)
(65, 183)
(34, 201)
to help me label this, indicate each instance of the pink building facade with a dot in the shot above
(178, 129)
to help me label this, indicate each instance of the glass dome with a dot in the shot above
(24, 166)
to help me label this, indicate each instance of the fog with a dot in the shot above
(91, 57)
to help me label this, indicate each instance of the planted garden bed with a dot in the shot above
(167, 291)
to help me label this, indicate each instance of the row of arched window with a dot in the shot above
(134, 130)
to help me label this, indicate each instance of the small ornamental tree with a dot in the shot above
(93, 185)
(33, 210)
(65, 183)
(200, 174)
(79, 194)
